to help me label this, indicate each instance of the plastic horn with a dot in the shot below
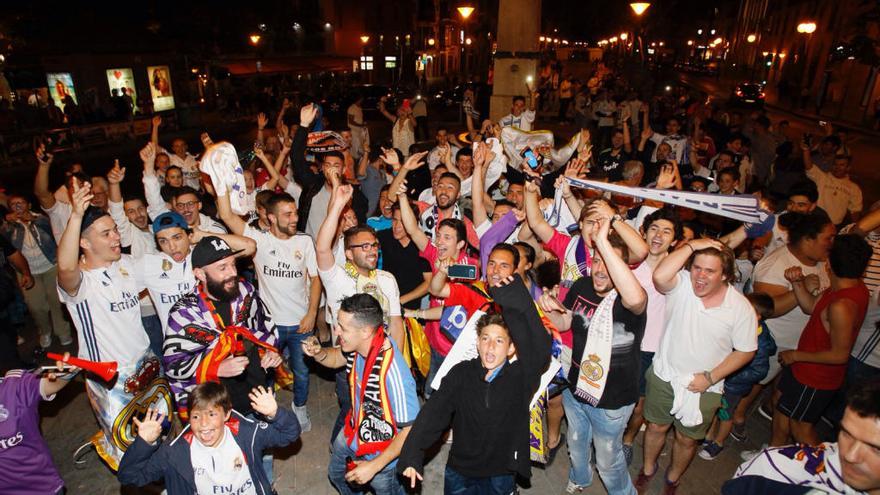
(105, 369)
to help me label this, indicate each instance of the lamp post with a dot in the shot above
(806, 28)
(639, 9)
(465, 12)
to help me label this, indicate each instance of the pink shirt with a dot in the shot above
(656, 310)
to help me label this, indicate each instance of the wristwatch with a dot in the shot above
(615, 218)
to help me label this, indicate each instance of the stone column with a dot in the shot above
(517, 55)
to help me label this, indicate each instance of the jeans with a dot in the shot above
(268, 458)
(384, 483)
(153, 327)
(342, 394)
(289, 338)
(436, 362)
(455, 483)
(604, 429)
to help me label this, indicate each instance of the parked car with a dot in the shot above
(748, 94)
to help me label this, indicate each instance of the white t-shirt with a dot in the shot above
(189, 165)
(786, 329)
(524, 121)
(338, 285)
(59, 214)
(284, 268)
(697, 339)
(836, 196)
(434, 156)
(208, 224)
(357, 114)
(317, 211)
(166, 280)
(107, 315)
(221, 469)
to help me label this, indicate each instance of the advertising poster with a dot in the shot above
(160, 88)
(60, 86)
(122, 80)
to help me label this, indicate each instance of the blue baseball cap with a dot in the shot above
(167, 220)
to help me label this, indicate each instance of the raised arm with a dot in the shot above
(327, 233)
(69, 276)
(539, 226)
(410, 223)
(154, 132)
(384, 111)
(526, 329)
(115, 203)
(477, 190)
(439, 287)
(41, 181)
(632, 295)
(224, 211)
(666, 272)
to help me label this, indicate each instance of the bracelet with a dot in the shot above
(708, 375)
(323, 358)
(692, 248)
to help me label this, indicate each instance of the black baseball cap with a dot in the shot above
(211, 249)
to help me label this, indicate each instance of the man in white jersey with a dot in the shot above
(519, 116)
(101, 292)
(287, 272)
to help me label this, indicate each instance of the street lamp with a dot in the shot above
(639, 8)
(751, 38)
(806, 27)
(431, 41)
(254, 39)
(465, 12)
(365, 39)
(623, 36)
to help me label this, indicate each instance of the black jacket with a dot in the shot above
(312, 182)
(490, 420)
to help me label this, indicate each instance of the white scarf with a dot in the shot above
(596, 359)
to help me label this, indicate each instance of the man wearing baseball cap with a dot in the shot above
(168, 274)
(220, 331)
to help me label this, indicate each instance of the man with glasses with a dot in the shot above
(358, 275)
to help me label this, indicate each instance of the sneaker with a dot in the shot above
(628, 454)
(302, 415)
(573, 488)
(739, 432)
(768, 414)
(748, 455)
(710, 451)
(45, 341)
(66, 342)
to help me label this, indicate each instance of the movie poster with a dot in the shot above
(122, 80)
(60, 86)
(160, 88)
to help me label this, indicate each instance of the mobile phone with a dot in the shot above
(531, 158)
(466, 272)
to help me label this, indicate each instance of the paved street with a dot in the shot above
(302, 468)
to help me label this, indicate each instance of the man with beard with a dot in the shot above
(100, 290)
(357, 275)
(606, 313)
(220, 331)
(288, 277)
(444, 147)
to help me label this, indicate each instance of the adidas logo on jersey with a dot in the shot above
(272, 252)
(163, 275)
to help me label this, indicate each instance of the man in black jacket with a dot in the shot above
(487, 401)
(317, 185)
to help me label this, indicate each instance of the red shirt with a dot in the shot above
(816, 338)
(435, 337)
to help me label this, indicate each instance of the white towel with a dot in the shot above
(220, 162)
(686, 404)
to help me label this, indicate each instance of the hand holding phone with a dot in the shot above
(464, 272)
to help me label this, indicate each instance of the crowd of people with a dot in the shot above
(470, 292)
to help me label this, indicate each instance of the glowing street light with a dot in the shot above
(365, 39)
(623, 36)
(717, 41)
(465, 12)
(690, 42)
(254, 39)
(639, 8)
(613, 39)
(751, 38)
(806, 27)
(782, 55)
(468, 41)
(431, 41)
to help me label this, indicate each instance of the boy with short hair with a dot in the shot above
(740, 383)
(220, 450)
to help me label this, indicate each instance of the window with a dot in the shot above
(367, 62)
(390, 62)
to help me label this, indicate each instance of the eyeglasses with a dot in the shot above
(365, 246)
(188, 205)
